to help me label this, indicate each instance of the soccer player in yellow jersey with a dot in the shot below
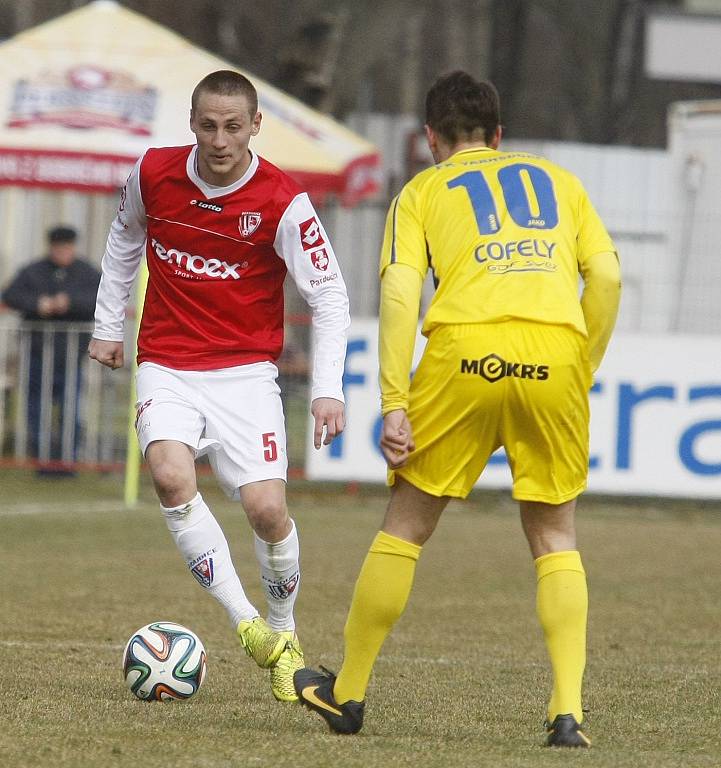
(509, 361)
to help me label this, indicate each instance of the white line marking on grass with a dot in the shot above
(37, 508)
(60, 645)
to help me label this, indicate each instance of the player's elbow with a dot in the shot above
(603, 269)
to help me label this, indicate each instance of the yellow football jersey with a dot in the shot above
(504, 233)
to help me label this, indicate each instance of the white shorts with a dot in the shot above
(235, 415)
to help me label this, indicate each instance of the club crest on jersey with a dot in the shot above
(310, 234)
(248, 223)
(203, 571)
(319, 259)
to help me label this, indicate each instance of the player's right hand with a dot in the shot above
(396, 439)
(108, 353)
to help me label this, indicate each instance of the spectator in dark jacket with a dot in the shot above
(57, 289)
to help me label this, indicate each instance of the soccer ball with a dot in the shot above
(163, 661)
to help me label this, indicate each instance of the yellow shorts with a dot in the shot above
(516, 384)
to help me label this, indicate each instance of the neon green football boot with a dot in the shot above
(260, 642)
(289, 662)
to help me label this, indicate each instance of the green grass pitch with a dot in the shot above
(462, 681)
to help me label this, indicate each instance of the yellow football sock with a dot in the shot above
(562, 607)
(380, 595)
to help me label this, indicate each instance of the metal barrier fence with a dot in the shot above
(58, 411)
(61, 411)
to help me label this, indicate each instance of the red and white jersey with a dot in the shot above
(217, 258)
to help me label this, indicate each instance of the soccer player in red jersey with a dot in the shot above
(220, 228)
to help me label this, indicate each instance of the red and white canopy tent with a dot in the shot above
(82, 96)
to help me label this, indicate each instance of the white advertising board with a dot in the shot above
(655, 418)
(683, 46)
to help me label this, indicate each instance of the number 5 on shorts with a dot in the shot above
(270, 452)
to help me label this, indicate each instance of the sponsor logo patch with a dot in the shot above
(325, 279)
(192, 264)
(310, 234)
(493, 368)
(248, 223)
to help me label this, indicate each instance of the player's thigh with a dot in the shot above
(545, 426)
(453, 411)
(244, 414)
(167, 407)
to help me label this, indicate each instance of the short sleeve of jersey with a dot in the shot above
(592, 235)
(404, 240)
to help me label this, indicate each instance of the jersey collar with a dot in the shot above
(209, 190)
(469, 151)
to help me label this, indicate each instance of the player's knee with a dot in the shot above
(268, 517)
(548, 527)
(172, 483)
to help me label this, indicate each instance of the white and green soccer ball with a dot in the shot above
(164, 661)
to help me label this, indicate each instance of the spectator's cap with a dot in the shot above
(62, 234)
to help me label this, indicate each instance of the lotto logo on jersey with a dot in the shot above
(206, 205)
(319, 259)
(310, 234)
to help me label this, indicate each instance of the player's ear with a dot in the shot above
(496, 140)
(431, 138)
(432, 141)
(255, 126)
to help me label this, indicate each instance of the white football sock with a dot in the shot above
(202, 543)
(280, 575)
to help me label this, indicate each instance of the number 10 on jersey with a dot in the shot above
(527, 193)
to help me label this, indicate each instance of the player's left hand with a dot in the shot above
(397, 441)
(329, 415)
